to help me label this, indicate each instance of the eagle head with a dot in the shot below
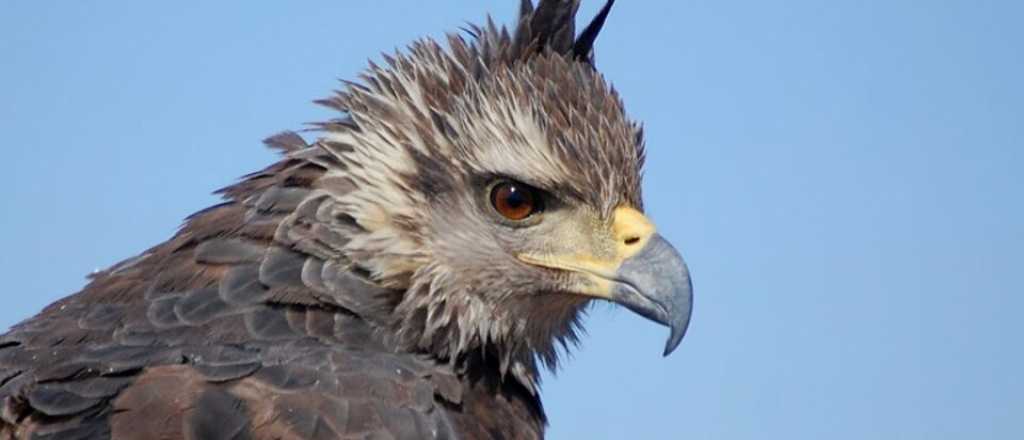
(491, 186)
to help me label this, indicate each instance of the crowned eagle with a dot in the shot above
(406, 274)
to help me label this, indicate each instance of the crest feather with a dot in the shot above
(551, 26)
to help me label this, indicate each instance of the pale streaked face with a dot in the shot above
(501, 201)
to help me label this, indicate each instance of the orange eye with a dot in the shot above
(515, 201)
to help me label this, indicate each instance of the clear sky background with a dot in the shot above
(843, 177)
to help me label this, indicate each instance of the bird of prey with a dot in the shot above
(407, 274)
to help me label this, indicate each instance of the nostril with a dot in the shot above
(632, 240)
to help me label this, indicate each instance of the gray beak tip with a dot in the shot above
(674, 339)
(681, 321)
(677, 333)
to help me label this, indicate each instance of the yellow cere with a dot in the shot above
(630, 230)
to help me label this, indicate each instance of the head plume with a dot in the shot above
(551, 26)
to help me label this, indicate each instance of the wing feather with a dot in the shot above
(247, 324)
(221, 332)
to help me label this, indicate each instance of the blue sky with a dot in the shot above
(844, 179)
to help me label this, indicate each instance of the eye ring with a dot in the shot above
(515, 200)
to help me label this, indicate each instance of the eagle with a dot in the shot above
(406, 274)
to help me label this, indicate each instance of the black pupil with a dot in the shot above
(516, 197)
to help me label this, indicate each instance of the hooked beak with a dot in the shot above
(646, 275)
(655, 284)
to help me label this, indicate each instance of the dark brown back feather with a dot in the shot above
(223, 331)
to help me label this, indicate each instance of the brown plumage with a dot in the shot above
(364, 286)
